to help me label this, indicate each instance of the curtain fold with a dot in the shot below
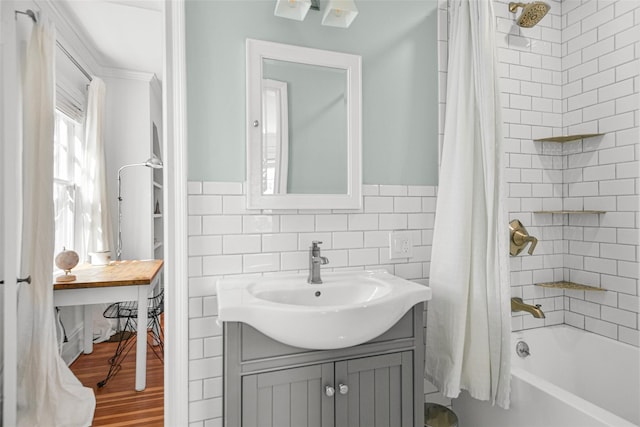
(48, 392)
(469, 317)
(96, 221)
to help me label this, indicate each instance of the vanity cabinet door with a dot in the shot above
(380, 391)
(288, 398)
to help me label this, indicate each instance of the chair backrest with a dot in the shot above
(125, 309)
(156, 304)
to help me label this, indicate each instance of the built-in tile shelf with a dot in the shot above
(568, 137)
(570, 285)
(571, 212)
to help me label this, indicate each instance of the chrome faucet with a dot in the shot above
(315, 261)
(518, 305)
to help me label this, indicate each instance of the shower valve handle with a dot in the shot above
(520, 238)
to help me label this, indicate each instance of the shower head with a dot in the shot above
(531, 14)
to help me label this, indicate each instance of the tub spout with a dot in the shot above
(518, 305)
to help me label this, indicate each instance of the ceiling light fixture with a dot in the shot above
(292, 9)
(338, 13)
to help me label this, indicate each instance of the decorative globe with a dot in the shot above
(66, 260)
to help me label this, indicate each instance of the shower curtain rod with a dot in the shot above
(30, 13)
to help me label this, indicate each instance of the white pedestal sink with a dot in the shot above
(348, 309)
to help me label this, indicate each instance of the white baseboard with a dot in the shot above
(73, 347)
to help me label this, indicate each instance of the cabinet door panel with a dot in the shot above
(384, 399)
(395, 389)
(282, 404)
(380, 391)
(288, 398)
(265, 407)
(365, 400)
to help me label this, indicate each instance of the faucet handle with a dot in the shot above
(315, 243)
(533, 244)
(520, 238)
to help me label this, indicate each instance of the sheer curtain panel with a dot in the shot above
(48, 393)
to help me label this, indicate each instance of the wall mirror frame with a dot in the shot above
(259, 53)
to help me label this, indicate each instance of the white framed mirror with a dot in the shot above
(304, 127)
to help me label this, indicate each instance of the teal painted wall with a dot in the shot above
(397, 40)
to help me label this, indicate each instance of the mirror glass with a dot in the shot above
(304, 125)
(303, 138)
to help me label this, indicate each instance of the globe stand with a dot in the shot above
(66, 277)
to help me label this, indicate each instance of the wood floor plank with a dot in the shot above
(117, 403)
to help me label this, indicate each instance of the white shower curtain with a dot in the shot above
(48, 392)
(96, 221)
(468, 320)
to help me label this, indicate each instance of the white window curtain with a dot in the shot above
(96, 221)
(469, 317)
(48, 392)
(96, 229)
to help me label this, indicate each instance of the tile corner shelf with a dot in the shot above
(570, 212)
(568, 137)
(571, 286)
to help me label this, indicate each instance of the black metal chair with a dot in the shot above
(128, 311)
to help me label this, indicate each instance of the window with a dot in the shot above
(66, 173)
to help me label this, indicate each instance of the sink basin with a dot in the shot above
(332, 293)
(348, 309)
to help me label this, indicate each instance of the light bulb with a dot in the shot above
(337, 12)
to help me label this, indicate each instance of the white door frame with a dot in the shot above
(176, 384)
(10, 209)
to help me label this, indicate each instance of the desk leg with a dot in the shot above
(141, 349)
(88, 329)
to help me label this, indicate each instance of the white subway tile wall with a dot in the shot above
(589, 84)
(225, 239)
(609, 247)
(531, 82)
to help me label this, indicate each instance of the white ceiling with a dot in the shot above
(127, 33)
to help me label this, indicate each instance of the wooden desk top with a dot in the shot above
(117, 273)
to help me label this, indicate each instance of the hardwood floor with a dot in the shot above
(117, 403)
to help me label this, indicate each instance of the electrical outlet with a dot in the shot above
(400, 244)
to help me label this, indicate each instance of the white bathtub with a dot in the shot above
(572, 378)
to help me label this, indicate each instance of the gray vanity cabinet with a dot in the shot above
(288, 398)
(380, 391)
(379, 383)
